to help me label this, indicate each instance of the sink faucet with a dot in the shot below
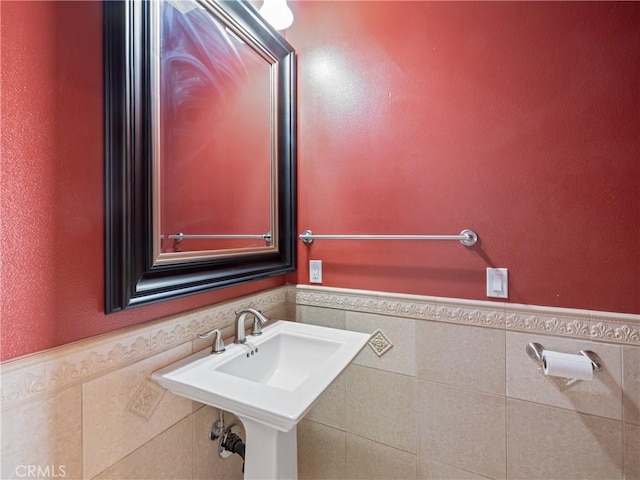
(240, 316)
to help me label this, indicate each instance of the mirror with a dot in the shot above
(199, 149)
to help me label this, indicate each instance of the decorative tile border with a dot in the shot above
(616, 332)
(469, 314)
(582, 324)
(550, 321)
(366, 302)
(45, 372)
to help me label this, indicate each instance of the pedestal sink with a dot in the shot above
(270, 383)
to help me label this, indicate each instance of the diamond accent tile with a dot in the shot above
(379, 343)
(146, 400)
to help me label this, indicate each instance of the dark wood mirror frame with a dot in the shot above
(131, 276)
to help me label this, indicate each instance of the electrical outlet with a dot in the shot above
(315, 271)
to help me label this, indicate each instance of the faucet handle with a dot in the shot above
(218, 343)
(256, 329)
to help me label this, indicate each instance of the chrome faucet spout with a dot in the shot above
(240, 316)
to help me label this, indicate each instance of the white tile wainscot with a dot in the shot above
(44, 395)
(453, 377)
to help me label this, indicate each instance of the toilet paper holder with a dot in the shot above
(534, 350)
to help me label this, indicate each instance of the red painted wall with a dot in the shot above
(519, 120)
(51, 197)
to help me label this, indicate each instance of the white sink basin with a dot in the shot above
(276, 385)
(282, 361)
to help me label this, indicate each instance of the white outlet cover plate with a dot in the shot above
(315, 271)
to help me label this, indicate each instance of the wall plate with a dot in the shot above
(498, 282)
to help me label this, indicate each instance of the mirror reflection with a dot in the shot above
(213, 137)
